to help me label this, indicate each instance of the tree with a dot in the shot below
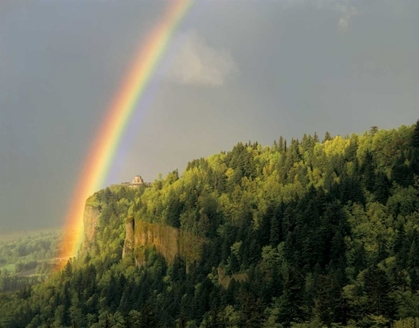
(148, 315)
(327, 137)
(377, 288)
(373, 130)
(291, 299)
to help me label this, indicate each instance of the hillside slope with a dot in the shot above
(310, 234)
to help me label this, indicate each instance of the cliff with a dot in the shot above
(140, 235)
(91, 225)
(168, 241)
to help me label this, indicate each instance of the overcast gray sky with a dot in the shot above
(234, 71)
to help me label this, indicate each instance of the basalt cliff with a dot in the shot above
(139, 236)
(168, 241)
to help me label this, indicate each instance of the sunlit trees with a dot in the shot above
(305, 234)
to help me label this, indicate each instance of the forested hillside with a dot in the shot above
(27, 259)
(306, 233)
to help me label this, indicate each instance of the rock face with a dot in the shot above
(129, 237)
(141, 235)
(168, 241)
(90, 222)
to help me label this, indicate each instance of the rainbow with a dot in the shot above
(105, 145)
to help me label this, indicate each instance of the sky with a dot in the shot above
(233, 71)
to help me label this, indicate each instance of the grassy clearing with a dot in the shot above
(27, 273)
(10, 267)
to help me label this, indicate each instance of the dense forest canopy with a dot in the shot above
(306, 233)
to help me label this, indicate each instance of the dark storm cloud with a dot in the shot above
(279, 68)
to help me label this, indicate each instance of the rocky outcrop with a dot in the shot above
(168, 241)
(129, 237)
(90, 222)
(141, 235)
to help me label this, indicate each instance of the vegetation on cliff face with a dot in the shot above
(307, 234)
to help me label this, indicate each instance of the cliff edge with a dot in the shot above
(140, 235)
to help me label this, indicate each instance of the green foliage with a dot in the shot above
(303, 235)
(27, 259)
